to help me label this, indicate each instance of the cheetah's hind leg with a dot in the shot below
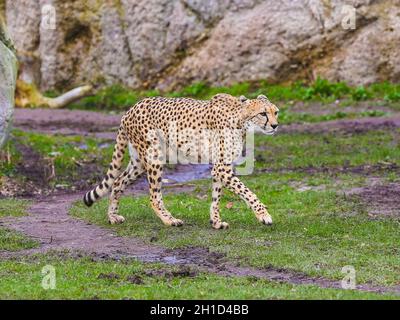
(131, 173)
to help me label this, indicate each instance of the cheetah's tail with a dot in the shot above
(113, 171)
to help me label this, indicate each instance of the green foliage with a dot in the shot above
(114, 97)
(120, 98)
(322, 88)
(393, 96)
(195, 90)
(361, 93)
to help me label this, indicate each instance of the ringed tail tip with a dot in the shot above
(86, 199)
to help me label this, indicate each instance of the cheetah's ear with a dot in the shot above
(262, 97)
(242, 99)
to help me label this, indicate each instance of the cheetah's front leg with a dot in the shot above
(154, 177)
(224, 173)
(215, 218)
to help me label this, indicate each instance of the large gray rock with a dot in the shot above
(169, 43)
(296, 39)
(8, 78)
(373, 53)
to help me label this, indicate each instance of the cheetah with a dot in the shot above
(191, 130)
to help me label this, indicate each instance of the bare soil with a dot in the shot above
(64, 121)
(380, 199)
(49, 223)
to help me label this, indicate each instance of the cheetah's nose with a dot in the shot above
(274, 126)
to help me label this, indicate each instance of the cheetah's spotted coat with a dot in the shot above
(154, 125)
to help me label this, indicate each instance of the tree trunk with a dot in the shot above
(8, 80)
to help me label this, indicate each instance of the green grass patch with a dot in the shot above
(15, 241)
(13, 207)
(12, 240)
(287, 117)
(316, 232)
(86, 279)
(327, 149)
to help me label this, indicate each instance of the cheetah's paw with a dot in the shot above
(115, 219)
(265, 219)
(174, 222)
(220, 225)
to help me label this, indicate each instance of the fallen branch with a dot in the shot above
(27, 95)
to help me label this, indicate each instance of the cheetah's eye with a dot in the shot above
(276, 113)
(264, 114)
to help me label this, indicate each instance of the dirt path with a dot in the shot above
(68, 122)
(49, 223)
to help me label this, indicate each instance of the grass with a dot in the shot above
(286, 116)
(66, 153)
(11, 240)
(120, 98)
(87, 279)
(13, 207)
(302, 150)
(315, 232)
(15, 241)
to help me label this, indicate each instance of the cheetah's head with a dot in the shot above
(261, 114)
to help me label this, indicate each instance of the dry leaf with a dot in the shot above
(229, 205)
